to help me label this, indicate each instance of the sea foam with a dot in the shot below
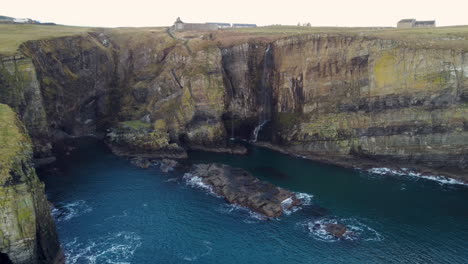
(356, 230)
(114, 248)
(68, 211)
(408, 172)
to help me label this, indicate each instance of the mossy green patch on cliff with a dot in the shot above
(384, 69)
(13, 140)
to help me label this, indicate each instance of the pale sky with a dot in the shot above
(108, 13)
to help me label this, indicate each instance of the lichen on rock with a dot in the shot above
(27, 230)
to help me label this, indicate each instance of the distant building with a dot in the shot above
(179, 25)
(220, 25)
(244, 25)
(22, 20)
(413, 23)
(425, 24)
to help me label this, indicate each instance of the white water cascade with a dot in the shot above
(265, 95)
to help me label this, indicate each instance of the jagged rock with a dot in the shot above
(27, 230)
(239, 187)
(168, 165)
(336, 230)
(141, 162)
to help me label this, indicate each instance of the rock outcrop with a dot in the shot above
(239, 187)
(140, 139)
(27, 229)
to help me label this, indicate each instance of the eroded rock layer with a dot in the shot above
(334, 97)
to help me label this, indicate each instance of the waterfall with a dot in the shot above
(264, 95)
(257, 129)
(232, 127)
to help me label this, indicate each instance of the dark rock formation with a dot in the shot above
(336, 230)
(239, 187)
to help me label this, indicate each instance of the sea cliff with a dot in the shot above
(27, 230)
(364, 97)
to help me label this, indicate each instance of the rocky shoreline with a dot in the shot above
(366, 164)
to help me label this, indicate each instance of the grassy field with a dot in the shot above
(12, 35)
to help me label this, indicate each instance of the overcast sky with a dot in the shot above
(116, 13)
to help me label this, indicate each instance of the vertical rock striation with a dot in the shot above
(334, 97)
(27, 229)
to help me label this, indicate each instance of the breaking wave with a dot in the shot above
(197, 182)
(116, 248)
(251, 216)
(67, 211)
(356, 230)
(305, 197)
(407, 172)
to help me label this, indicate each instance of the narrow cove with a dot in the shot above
(108, 211)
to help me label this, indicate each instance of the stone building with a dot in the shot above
(425, 24)
(413, 23)
(244, 25)
(179, 25)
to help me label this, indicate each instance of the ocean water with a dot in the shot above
(108, 211)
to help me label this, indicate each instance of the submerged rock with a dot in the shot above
(239, 187)
(167, 165)
(141, 162)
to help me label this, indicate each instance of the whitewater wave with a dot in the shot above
(356, 230)
(67, 211)
(207, 248)
(116, 248)
(197, 182)
(305, 197)
(407, 172)
(251, 216)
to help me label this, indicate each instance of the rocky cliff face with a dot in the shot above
(331, 97)
(27, 230)
(371, 98)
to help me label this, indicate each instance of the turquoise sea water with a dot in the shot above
(109, 211)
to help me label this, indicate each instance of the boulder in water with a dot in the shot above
(336, 230)
(141, 162)
(239, 187)
(167, 165)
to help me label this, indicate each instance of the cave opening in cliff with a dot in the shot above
(4, 259)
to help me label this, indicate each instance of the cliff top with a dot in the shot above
(13, 140)
(12, 35)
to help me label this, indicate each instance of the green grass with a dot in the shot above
(12, 35)
(455, 37)
(13, 140)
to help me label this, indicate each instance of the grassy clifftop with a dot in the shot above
(12, 35)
